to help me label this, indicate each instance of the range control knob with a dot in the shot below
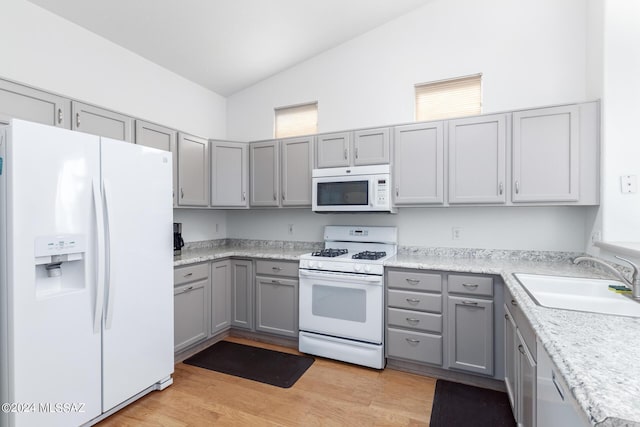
(312, 264)
(320, 265)
(356, 267)
(367, 268)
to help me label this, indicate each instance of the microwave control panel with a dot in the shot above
(382, 191)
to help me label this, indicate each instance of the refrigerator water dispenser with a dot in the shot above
(59, 262)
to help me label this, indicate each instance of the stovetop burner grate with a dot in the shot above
(369, 255)
(329, 253)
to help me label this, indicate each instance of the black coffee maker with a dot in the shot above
(178, 243)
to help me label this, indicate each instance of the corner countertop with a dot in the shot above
(598, 355)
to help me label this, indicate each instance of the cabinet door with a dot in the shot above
(371, 147)
(193, 170)
(333, 150)
(220, 296)
(477, 156)
(229, 174)
(242, 294)
(190, 314)
(265, 177)
(526, 384)
(22, 102)
(297, 163)
(545, 155)
(510, 351)
(162, 138)
(470, 334)
(418, 171)
(277, 306)
(97, 121)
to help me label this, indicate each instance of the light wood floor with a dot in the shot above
(330, 393)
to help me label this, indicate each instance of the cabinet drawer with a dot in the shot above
(190, 273)
(277, 268)
(471, 285)
(415, 300)
(416, 346)
(415, 281)
(415, 320)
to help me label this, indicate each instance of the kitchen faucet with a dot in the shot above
(634, 283)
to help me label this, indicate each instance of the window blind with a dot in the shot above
(449, 98)
(296, 120)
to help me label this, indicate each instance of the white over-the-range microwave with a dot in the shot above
(352, 189)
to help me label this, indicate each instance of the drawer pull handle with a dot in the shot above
(188, 274)
(470, 285)
(514, 303)
(276, 268)
(555, 383)
(469, 303)
(186, 289)
(414, 321)
(413, 281)
(59, 115)
(413, 300)
(521, 349)
(276, 282)
(78, 120)
(412, 340)
(506, 316)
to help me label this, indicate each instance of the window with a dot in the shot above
(296, 120)
(449, 98)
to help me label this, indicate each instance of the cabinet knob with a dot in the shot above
(356, 152)
(276, 268)
(521, 349)
(397, 191)
(283, 196)
(276, 282)
(500, 188)
(413, 300)
(345, 154)
(506, 316)
(469, 303)
(77, 120)
(412, 320)
(244, 196)
(181, 193)
(275, 196)
(517, 187)
(412, 340)
(59, 115)
(514, 303)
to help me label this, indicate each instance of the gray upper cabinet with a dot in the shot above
(220, 296)
(546, 155)
(418, 172)
(297, 163)
(477, 159)
(371, 147)
(229, 174)
(333, 150)
(162, 138)
(265, 173)
(22, 102)
(193, 170)
(101, 122)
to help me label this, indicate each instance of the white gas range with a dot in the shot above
(342, 295)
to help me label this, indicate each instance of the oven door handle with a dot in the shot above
(342, 277)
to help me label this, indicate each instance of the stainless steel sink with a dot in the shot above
(580, 294)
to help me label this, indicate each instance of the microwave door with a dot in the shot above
(343, 194)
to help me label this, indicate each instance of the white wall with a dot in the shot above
(517, 228)
(45, 51)
(531, 53)
(621, 113)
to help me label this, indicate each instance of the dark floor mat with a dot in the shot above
(458, 405)
(253, 363)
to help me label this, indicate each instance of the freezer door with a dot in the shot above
(53, 351)
(138, 324)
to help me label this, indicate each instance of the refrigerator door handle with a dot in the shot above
(100, 261)
(108, 284)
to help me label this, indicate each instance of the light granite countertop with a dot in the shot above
(598, 355)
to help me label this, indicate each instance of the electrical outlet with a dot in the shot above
(290, 228)
(217, 228)
(629, 184)
(596, 236)
(456, 233)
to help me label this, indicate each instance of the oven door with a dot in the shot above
(342, 305)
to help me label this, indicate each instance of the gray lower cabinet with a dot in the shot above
(98, 121)
(242, 294)
(193, 170)
(277, 297)
(520, 359)
(470, 323)
(162, 138)
(191, 305)
(470, 334)
(22, 102)
(220, 296)
(414, 316)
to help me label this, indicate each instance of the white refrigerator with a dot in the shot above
(86, 293)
